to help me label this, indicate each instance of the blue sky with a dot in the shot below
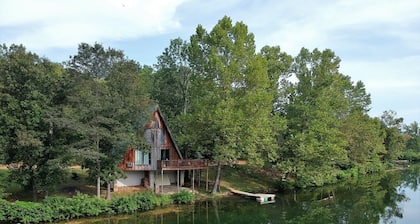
(378, 41)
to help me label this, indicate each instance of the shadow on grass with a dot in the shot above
(76, 181)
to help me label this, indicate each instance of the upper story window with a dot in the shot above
(164, 154)
(142, 158)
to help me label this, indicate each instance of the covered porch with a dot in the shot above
(180, 166)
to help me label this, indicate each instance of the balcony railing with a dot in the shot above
(182, 164)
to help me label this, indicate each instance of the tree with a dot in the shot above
(278, 70)
(172, 79)
(30, 89)
(394, 141)
(316, 106)
(104, 108)
(365, 138)
(230, 97)
(171, 89)
(413, 132)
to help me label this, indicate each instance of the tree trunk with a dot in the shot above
(98, 180)
(217, 181)
(98, 186)
(108, 191)
(216, 210)
(34, 193)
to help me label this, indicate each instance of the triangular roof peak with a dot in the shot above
(163, 120)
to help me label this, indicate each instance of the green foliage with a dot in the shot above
(412, 147)
(163, 200)
(411, 155)
(183, 197)
(124, 205)
(27, 212)
(141, 201)
(107, 98)
(394, 142)
(81, 205)
(4, 210)
(31, 93)
(329, 130)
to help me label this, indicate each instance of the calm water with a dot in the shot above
(390, 198)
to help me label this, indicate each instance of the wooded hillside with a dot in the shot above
(223, 99)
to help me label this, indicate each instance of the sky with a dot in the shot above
(378, 41)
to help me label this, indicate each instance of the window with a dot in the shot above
(162, 136)
(164, 154)
(148, 136)
(142, 158)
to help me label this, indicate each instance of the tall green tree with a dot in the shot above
(365, 142)
(104, 108)
(172, 80)
(413, 132)
(30, 89)
(394, 140)
(278, 70)
(172, 90)
(231, 111)
(316, 105)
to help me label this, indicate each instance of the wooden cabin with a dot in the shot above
(158, 164)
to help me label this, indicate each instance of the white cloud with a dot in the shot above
(49, 24)
(377, 40)
(311, 24)
(393, 84)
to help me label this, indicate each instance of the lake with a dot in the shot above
(392, 197)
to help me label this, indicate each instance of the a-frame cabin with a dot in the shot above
(160, 163)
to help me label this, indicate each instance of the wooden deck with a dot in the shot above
(184, 164)
(261, 198)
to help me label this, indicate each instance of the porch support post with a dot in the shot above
(161, 183)
(199, 178)
(207, 179)
(193, 181)
(177, 180)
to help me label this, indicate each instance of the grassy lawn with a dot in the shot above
(240, 177)
(70, 187)
(8, 188)
(245, 178)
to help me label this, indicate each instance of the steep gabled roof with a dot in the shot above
(157, 109)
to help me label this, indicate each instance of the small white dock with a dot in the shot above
(261, 198)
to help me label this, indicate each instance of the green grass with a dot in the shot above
(8, 188)
(80, 184)
(245, 178)
(13, 191)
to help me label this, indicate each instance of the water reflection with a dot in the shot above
(392, 197)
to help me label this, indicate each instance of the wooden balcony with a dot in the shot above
(184, 164)
(130, 166)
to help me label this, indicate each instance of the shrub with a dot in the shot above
(4, 209)
(124, 205)
(163, 200)
(145, 200)
(28, 212)
(183, 197)
(90, 205)
(81, 205)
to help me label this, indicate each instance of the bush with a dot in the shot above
(4, 209)
(124, 205)
(163, 200)
(183, 197)
(82, 205)
(28, 212)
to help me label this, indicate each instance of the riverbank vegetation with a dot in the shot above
(59, 208)
(297, 116)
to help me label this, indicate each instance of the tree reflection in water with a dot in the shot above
(373, 199)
